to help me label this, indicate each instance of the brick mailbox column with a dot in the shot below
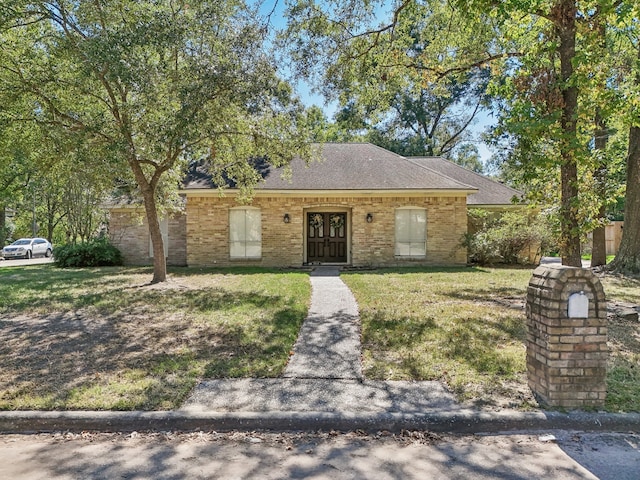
(567, 337)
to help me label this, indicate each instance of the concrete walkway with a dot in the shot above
(325, 372)
(328, 344)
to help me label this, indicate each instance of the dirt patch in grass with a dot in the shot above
(121, 344)
(86, 359)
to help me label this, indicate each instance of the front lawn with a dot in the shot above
(466, 327)
(105, 339)
(462, 326)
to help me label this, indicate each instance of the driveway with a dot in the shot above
(21, 263)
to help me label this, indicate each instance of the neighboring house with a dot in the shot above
(360, 205)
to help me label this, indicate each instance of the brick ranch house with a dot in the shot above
(359, 205)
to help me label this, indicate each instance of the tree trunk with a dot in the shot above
(628, 257)
(50, 219)
(151, 210)
(564, 13)
(159, 260)
(599, 248)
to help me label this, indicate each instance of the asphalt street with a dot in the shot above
(335, 456)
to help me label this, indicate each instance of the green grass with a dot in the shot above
(622, 289)
(466, 327)
(608, 260)
(623, 376)
(105, 339)
(623, 384)
(462, 326)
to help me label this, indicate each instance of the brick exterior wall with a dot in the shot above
(129, 232)
(283, 244)
(177, 254)
(566, 357)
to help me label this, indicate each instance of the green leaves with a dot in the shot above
(409, 76)
(156, 84)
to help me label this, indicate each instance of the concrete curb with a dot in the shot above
(449, 421)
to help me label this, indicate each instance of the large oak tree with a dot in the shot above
(535, 49)
(394, 69)
(155, 84)
(628, 257)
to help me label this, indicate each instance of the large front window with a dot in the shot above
(411, 232)
(245, 233)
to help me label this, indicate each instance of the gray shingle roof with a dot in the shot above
(489, 192)
(348, 166)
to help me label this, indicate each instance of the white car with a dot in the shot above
(28, 248)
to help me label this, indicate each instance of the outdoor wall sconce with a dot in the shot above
(286, 218)
(369, 217)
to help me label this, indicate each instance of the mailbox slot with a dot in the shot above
(578, 305)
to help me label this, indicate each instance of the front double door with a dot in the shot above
(326, 237)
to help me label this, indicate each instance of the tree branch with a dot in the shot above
(464, 127)
(440, 74)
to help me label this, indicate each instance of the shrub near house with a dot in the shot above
(516, 237)
(95, 253)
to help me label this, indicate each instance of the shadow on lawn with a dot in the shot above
(109, 288)
(145, 353)
(29, 288)
(509, 297)
(623, 376)
(481, 346)
(426, 345)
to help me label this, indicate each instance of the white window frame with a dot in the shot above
(245, 236)
(411, 244)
